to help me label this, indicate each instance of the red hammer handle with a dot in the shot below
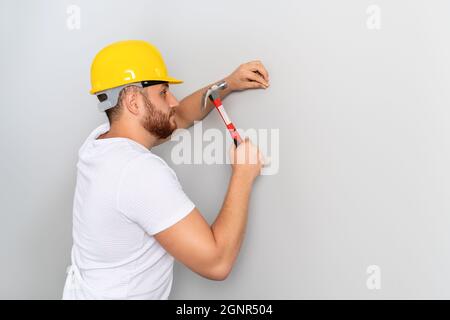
(230, 126)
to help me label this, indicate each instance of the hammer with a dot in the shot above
(213, 95)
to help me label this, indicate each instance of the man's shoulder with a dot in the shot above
(145, 164)
(147, 173)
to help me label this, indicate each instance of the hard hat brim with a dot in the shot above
(173, 80)
(168, 79)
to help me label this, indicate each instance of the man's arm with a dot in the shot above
(211, 251)
(189, 109)
(250, 75)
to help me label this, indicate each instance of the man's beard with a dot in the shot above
(156, 122)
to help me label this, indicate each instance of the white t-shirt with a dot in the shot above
(124, 195)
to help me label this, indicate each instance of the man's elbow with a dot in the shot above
(219, 272)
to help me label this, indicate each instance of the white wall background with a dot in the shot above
(363, 117)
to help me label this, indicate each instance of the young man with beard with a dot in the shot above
(131, 217)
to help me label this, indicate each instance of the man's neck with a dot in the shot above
(135, 133)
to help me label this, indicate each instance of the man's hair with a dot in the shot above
(114, 113)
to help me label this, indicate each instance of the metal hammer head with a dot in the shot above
(212, 93)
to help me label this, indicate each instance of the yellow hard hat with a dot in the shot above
(123, 63)
(127, 62)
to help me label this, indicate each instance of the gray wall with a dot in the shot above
(364, 142)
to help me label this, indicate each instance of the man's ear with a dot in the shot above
(131, 101)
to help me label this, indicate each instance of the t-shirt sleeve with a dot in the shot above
(150, 194)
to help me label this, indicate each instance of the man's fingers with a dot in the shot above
(258, 66)
(253, 76)
(254, 85)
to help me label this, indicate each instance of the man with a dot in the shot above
(131, 218)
